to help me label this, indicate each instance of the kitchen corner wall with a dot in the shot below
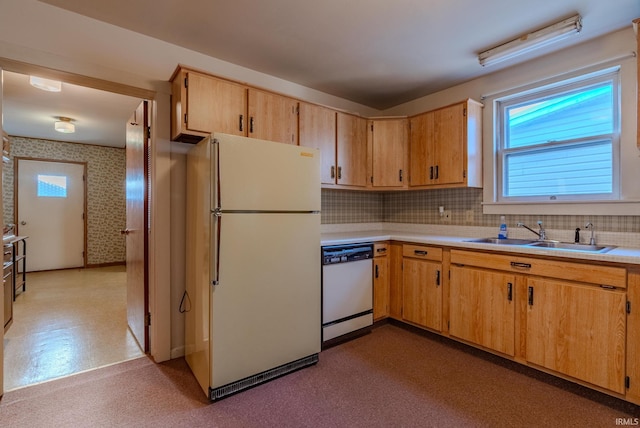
(106, 203)
(465, 205)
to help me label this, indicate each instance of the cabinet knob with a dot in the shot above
(125, 232)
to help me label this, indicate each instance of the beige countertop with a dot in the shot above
(616, 255)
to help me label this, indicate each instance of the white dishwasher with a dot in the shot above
(347, 290)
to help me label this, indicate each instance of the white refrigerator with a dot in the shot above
(252, 302)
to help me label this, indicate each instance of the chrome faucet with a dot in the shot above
(589, 226)
(542, 235)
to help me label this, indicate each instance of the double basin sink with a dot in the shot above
(555, 245)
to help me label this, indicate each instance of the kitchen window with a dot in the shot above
(560, 142)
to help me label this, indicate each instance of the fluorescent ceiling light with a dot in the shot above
(534, 40)
(64, 125)
(45, 84)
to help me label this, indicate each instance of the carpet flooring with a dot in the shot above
(392, 377)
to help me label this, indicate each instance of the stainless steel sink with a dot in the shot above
(499, 241)
(572, 246)
(555, 245)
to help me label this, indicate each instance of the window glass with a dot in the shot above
(52, 186)
(560, 142)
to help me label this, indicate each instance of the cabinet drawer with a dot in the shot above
(422, 252)
(582, 272)
(380, 249)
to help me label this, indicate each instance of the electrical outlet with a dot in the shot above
(446, 216)
(468, 216)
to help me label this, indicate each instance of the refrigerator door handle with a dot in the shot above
(215, 248)
(215, 165)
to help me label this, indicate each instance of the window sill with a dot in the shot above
(624, 207)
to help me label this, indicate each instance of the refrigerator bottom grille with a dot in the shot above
(257, 379)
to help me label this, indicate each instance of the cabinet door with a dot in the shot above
(578, 330)
(482, 308)
(318, 130)
(351, 144)
(380, 287)
(215, 105)
(422, 293)
(272, 117)
(449, 144)
(396, 279)
(388, 141)
(421, 150)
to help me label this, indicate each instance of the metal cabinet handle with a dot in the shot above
(530, 292)
(125, 232)
(400, 176)
(437, 174)
(376, 271)
(521, 265)
(339, 172)
(509, 291)
(430, 173)
(333, 172)
(251, 125)
(241, 125)
(420, 252)
(437, 278)
(381, 250)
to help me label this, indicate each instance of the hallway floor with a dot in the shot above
(66, 322)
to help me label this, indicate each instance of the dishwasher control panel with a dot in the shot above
(346, 253)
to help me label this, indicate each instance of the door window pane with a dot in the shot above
(52, 186)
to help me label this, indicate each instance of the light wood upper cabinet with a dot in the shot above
(202, 104)
(388, 141)
(317, 129)
(445, 147)
(577, 330)
(272, 117)
(482, 308)
(351, 148)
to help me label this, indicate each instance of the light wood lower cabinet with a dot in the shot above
(633, 337)
(482, 308)
(422, 287)
(381, 279)
(577, 330)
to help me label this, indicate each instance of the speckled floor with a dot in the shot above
(66, 322)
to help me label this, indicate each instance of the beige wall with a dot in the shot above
(106, 207)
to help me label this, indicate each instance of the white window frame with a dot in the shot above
(609, 74)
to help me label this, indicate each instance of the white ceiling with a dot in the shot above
(100, 117)
(374, 52)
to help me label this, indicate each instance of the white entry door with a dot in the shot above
(50, 211)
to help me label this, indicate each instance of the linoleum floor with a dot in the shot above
(66, 322)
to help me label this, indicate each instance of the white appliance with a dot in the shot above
(347, 291)
(253, 298)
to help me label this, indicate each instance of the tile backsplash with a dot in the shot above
(465, 205)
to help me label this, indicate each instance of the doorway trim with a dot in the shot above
(159, 286)
(16, 161)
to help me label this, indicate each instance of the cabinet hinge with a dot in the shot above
(147, 319)
(464, 112)
(464, 173)
(372, 179)
(185, 118)
(628, 307)
(186, 82)
(372, 127)
(148, 132)
(627, 382)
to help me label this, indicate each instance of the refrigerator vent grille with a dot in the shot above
(248, 382)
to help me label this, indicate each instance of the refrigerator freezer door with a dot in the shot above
(266, 307)
(257, 175)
